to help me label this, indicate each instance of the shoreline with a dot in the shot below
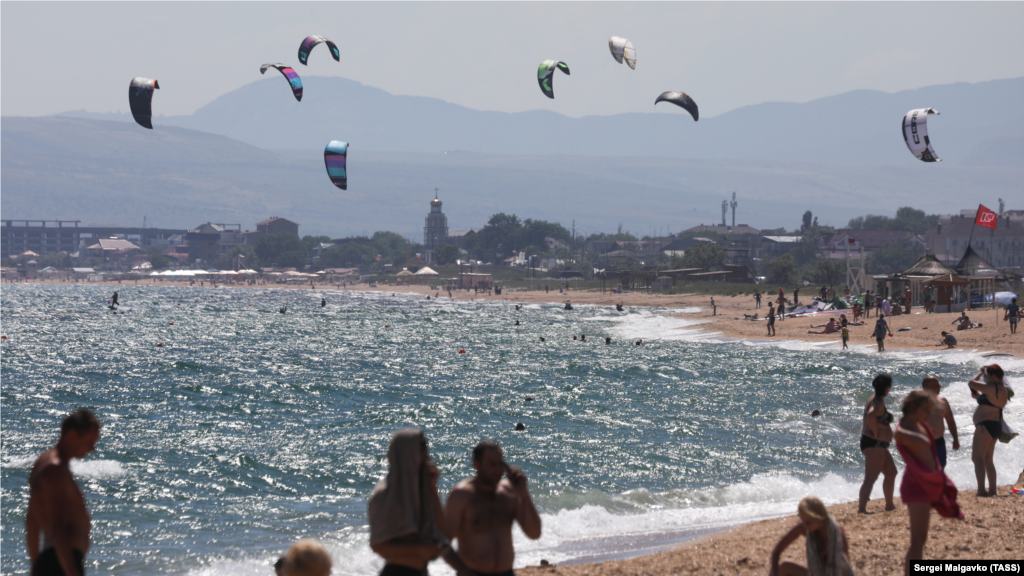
(728, 323)
(878, 542)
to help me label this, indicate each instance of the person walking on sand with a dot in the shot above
(481, 511)
(846, 336)
(881, 330)
(1013, 315)
(989, 389)
(924, 484)
(757, 299)
(941, 416)
(771, 319)
(876, 434)
(56, 505)
(828, 550)
(407, 522)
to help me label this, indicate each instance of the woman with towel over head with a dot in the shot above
(992, 394)
(407, 523)
(828, 551)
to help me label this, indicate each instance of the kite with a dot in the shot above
(290, 74)
(915, 134)
(334, 158)
(545, 73)
(140, 98)
(307, 46)
(681, 99)
(622, 49)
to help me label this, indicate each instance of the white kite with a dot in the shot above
(622, 49)
(915, 134)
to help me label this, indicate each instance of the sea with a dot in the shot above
(231, 430)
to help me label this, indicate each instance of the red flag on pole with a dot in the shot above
(986, 217)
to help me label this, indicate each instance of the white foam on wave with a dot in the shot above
(18, 462)
(97, 468)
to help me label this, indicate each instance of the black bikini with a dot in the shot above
(994, 427)
(869, 442)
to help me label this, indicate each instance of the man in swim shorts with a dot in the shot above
(480, 511)
(941, 415)
(56, 506)
(1013, 315)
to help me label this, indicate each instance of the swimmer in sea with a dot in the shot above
(283, 309)
(517, 322)
(607, 340)
(323, 302)
(618, 307)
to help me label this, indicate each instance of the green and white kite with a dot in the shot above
(546, 73)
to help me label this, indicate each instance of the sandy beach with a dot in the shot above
(991, 530)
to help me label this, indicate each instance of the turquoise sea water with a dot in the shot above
(249, 429)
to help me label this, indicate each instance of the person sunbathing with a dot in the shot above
(829, 328)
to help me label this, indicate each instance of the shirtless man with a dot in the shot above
(56, 506)
(941, 416)
(481, 509)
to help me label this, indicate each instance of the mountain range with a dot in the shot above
(980, 125)
(116, 173)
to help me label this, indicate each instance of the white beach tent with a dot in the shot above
(426, 271)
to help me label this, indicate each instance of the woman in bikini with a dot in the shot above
(828, 551)
(876, 435)
(924, 484)
(988, 388)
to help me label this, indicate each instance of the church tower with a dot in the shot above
(435, 229)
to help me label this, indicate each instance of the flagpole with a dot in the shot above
(973, 226)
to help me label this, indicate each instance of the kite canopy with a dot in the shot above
(307, 46)
(140, 98)
(290, 74)
(915, 134)
(622, 49)
(545, 75)
(335, 155)
(681, 99)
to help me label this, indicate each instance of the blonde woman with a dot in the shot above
(828, 550)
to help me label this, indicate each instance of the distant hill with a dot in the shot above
(980, 125)
(115, 173)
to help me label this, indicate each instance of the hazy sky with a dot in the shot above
(59, 57)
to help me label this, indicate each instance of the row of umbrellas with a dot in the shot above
(203, 272)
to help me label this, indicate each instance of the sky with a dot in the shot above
(57, 57)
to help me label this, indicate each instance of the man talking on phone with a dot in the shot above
(481, 510)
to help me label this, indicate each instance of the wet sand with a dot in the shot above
(991, 530)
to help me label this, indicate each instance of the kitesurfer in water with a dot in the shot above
(113, 300)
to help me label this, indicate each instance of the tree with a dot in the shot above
(807, 221)
(228, 260)
(782, 270)
(348, 255)
(893, 258)
(705, 255)
(826, 272)
(446, 254)
(270, 248)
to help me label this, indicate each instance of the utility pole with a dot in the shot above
(734, 204)
(573, 252)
